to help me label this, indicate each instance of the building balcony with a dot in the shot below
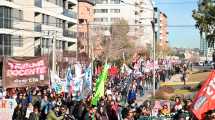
(37, 27)
(69, 13)
(38, 3)
(68, 33)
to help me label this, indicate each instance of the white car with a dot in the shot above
(201, 63)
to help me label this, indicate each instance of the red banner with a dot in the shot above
(205, 98)
(22, 72)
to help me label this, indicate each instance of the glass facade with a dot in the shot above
(5, 44)
(5, 17)
(7, 41)
(52, 21)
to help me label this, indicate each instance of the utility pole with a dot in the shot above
(154, 55)
(54, 52)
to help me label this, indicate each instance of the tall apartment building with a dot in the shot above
(110, 11)
(144, 11)
(86, 17)
(138, 14)
(163, 28)
(27, 27)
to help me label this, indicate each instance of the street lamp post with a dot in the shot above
(154, 28)
(154, 55)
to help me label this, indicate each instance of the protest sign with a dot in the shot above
(22, 72)
(7, 107)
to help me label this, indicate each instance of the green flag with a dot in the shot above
(100, 85)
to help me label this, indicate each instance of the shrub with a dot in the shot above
(167, 89)
(164, 93)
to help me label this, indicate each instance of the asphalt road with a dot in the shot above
(202, 67)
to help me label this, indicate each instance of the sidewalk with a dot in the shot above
(176, 81)
(146, 96)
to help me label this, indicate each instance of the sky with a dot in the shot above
(179, 12)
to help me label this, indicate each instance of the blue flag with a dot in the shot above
(87, 88)
(68, 78)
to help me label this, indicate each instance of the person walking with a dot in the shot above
(19, 113)
(35, 115)
(101, 114)
(52, 115)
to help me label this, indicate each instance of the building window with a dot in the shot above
(101, 19)
(46, 42)
(17, 41)
(45, 19)
(59, 23)
(5, 17)
(59, 44)
(101, 1)
(101, 11)
(5, 44)
(115, 1)
(59, 2)
(56, 2)
(115, 19)
(52, 21)
(114, 10)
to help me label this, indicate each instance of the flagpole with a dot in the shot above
(54, 52)
(123, 57)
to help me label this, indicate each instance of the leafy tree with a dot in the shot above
(118, 41)
(205, 19)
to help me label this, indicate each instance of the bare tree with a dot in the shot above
(118, 42)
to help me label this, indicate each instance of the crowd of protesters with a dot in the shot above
(42, 104)
(119, 103)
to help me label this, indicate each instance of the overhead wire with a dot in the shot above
(92, 24)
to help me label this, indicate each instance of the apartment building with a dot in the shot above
(107, 12)
(28, 27)
(86, 17)
(144, 15)
(138, 14)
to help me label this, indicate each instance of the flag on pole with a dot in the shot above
(100, 85)
(126, 69)
(68, 78)
(87, 85)
(56, 83)
(205, 98)
(77, 83)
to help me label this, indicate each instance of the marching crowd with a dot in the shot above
(119, 103)
(42, 104)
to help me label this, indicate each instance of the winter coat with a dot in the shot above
(131, 95)
(18, 114)
(34, 116)
(101, 116)
(51, 116)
